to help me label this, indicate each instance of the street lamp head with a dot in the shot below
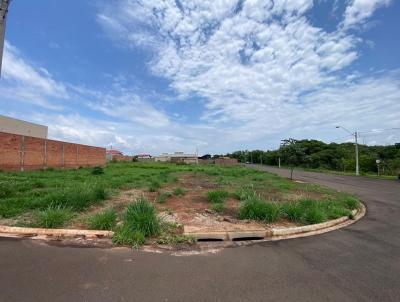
(337, 127)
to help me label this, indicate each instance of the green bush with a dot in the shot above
(124, 235)
(105, 220)
(142, 216)
(217, 196)
(97, 170)
(52, 217)
(257, 209)
(179, 191)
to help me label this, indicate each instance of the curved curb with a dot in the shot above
(282, 233)
(272, 234)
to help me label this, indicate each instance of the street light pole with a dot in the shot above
(3, 17)
(355, 134)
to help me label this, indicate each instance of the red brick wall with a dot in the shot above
(19, 152)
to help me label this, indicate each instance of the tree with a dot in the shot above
(292, 153)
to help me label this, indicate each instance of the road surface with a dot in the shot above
(358, 263)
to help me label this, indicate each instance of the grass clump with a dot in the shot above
(154, 186)
(218, 207)
(78, 198)
(257, 209)
(179, 191)
(105, 220)
(142, 216)
(163, 197)
(124, 235)
(170, 235)
(97, 170)
(140, 221)
(217, 196)
(53, 217)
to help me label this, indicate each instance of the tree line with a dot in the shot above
(315, 154)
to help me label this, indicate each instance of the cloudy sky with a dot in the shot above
(160, 76)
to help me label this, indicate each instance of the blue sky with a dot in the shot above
(162, 76)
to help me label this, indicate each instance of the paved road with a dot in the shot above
(357, 263)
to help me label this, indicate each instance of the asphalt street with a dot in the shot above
(358, 263)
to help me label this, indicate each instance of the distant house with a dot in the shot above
(143, 157)
(178, 157)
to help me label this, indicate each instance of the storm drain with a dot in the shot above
(247, 238)
(209, 239)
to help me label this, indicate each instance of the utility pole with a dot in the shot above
(357, 165)
(3, 17)
(355, 134)
(279, 161)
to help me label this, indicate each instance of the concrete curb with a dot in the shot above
(282, 233)
(8, 231)
(271, 234)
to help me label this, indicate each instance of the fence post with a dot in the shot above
(22, 154)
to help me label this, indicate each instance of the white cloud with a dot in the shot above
(261, 69)
(23, 80)
(359, 10)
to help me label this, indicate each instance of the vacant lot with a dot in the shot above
(177, 194)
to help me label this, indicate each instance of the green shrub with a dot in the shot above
(53, 217)
(97, 170)
(259, 210)
(218, 207)
(217, 196)
(142, 216)
(105, 220)
(124, 235)
(179, 191)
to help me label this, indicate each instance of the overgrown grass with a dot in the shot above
(140, 221)
(124, 235)
(79, 189)
(218, 207)
(163, 197)
(256, 209)
(304, 211)
(170, 235)
(142, 216)
(217, 196)
(52, 217)
(105, 220)
(179, 191)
